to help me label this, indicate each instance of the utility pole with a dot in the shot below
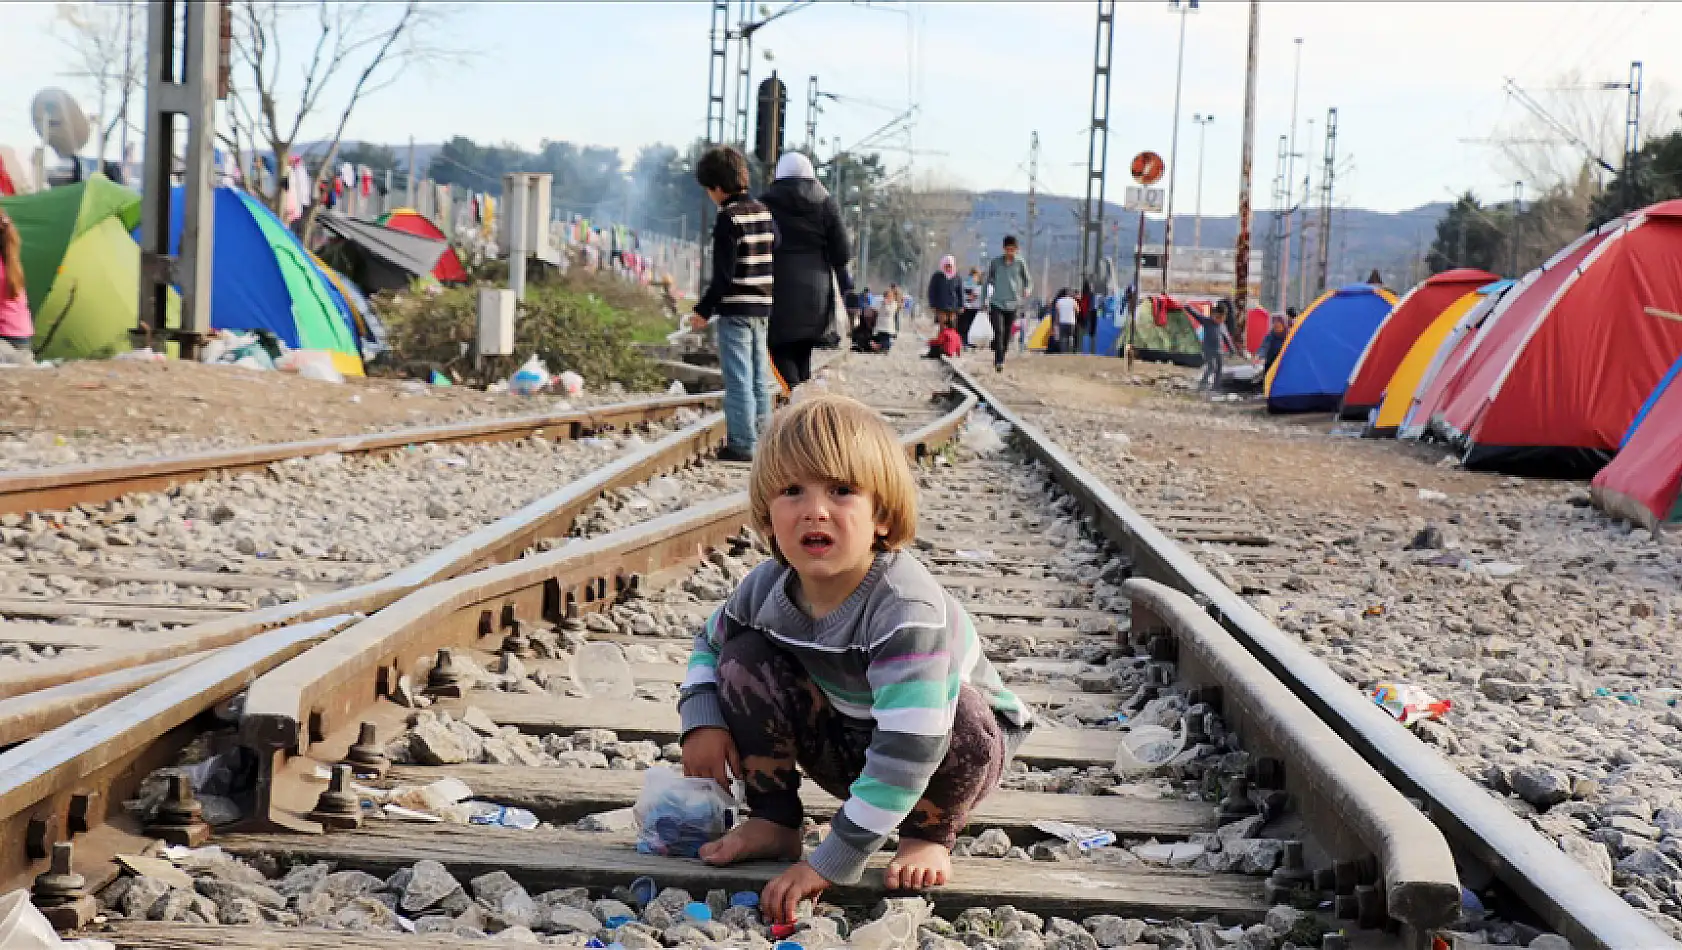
(1183, 8)
(718, 77)
(811, 114)
(1290, 180)
(1271, 277)
(744, 70)
(411, 181)
(1518, 224)
(1033, 187)
(1302, 237)
(1097, 142)
(1632, 135)
(1326, 180)
(188, 95)
(1203, 122)
(1241, 263)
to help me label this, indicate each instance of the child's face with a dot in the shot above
(825, 530)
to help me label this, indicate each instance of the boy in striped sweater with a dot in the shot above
(739, 298)
(843, 657)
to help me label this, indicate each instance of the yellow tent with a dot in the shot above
(1041, 337)
(1398, 393)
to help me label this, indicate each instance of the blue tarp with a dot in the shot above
(1322, 350)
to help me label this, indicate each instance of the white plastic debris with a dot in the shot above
(1146, 747)
(571, 383)
(1076, 834)
(23, 927)
(1121, 439)
(530, 379)
(600, 671)
(1429, 494)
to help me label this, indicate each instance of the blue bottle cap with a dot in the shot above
(786, 945)
(744, 899)
(594, 944)
(695, 910)
(644, 889)
(614, 923)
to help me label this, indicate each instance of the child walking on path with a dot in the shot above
(739, 298)
(845, 658)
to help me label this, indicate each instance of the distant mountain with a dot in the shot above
(1362, 240)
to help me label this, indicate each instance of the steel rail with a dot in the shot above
(64, 784)
(504, 539)
(64, 486)
(1479, 827)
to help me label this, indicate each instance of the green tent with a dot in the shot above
(1165, 332)
(81, 266)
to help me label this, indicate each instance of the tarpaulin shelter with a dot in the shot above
(1561, 371)
(1434, 384)
(1413, 314)
(1644, 481)
(81, 267)
(1404, 383)
(448, 269)
(1321, 349)
(377, 257)
(1164, 331)
(262, 278)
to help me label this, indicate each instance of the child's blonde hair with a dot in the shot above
(845, 441)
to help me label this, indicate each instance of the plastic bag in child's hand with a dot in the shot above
(676, 815)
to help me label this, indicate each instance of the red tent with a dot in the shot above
(1560, 370)
(1644, 482)
(1255, 328)
(448, 269)
(1413, 314)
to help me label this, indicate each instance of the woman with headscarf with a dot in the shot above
(946, 290)
(812, 251)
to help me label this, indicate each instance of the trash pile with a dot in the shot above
(534, 379)
(259, 350)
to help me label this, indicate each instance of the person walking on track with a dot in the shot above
(812, 258)
(1008, 286)
(738, 298)
(946, 291)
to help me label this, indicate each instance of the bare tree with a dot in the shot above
(356, 50)
(106, 41)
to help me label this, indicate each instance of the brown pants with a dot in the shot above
(782, 722)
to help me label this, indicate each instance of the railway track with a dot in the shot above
(1268, 817)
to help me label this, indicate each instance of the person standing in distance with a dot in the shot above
(1008, 285)
(812, 257)
(739, 298)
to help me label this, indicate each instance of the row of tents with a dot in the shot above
(81, 262)
(1572, 370)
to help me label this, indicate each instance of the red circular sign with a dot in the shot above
(1147, 168)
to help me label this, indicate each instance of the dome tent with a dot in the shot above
(81, 267)
(1644, 481)
(1562, 371)
(1413, 315)
(1323, 346)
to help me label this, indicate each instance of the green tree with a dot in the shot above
(1470, 235)
(1657, 177)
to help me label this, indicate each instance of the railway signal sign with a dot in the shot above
(1143, 199)
(1147, 168)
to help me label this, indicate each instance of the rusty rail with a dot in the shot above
(67, 485)
(1479, 828)
(65, 784)
(505, 539)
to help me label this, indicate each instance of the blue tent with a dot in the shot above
(263, 279)
(1321, 350)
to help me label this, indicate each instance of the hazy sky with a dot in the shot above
(1411, 82)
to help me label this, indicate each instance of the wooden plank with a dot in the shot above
(1039, 694)
(158, 935)
(1069, 615)
(645, 719)
(179, 578)
(566, 795)
(64, 635)
(109, 610)
(543, 860)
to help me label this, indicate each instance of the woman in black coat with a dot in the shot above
(812, 249)
(946, 290)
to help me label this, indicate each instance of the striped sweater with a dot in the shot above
(744, 239)
(895, 653)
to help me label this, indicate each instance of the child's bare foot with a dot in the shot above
(754, 840)
(918, 865)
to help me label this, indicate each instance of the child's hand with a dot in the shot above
(709, 752)
(781, 898)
